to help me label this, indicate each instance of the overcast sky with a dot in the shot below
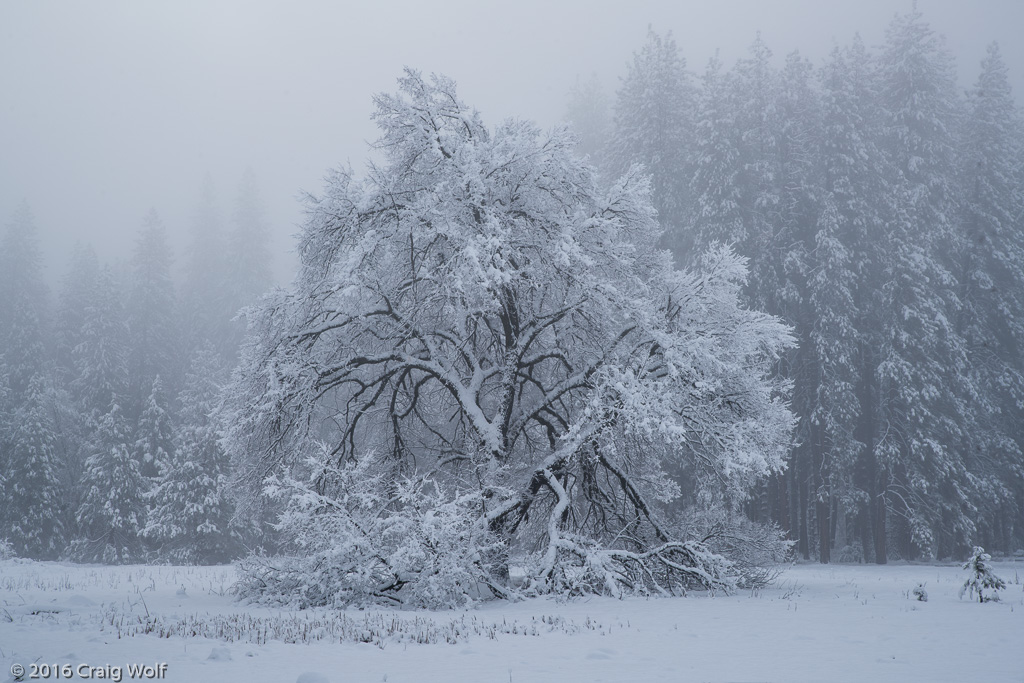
(110, 108)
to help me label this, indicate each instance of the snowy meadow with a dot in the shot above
(815, 623)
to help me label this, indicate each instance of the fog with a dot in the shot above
(110, 109)
(761, 306)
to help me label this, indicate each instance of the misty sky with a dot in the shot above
(110, 108)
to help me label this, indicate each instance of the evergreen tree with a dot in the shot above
(101, 372)
(113, 512)
(150, 315)
(587, 113)
(191, 517)
(981, 577)
(206, 294)
(853, 169)
(652, 124)
(831, 401)
(922, 368)
(249, 267)
(990, 254)
(73, 422)
(715, 188)
(6, 422)
(154, 434)
(32, 515)
(754, 84)
(72, 431)
(23, 305)
(78, 286)
(882, 219)
(29, 483)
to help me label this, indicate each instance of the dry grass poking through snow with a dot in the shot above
(816, 623)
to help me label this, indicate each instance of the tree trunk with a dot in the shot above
(805, 546)
(821, 497)
(881, 544)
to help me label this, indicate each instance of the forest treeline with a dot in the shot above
(882, 212)
(108, 438)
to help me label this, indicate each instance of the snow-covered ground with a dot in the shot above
(834, 623)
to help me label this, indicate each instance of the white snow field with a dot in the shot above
(817, 623)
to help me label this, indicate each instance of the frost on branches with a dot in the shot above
(485, 363)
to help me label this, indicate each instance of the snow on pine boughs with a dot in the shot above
(981, 577)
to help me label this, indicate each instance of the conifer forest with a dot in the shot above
(725, 315)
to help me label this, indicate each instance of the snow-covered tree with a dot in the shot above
(990, 251)
(154, 434)
(150, 313)
(206, 292)
(78, 286)
(113, 511)
(924, 398)
(881, 213)
(477, 329)
(249, 267)
(72, 433)
(755, 95)
(843, 292)
(191, 515)
(32, 515)
(248, 270)
(23, 304)
(26, 454)
(651, 126)
(717, 197)
(101, 355)
(587, 112)
(981, 577)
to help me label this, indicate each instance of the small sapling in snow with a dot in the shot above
(981, 577)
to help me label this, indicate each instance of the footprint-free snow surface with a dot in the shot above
(816, 623)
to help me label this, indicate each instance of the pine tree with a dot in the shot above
(150, 313)
(990, 250)
(249, 267)
(922, 370)
(652, 125)
(154, 434)
(78, 286)
(101, 355)
(853, 171)
(981, 577)
(72, 431)
(23, 304)
(29, 481)
(191, 517)
(587, 113)
(832, 404)
(6, 422)
(716, 214)
(113, 512)
(32, 515)
(73, 422)
(755, 95)
(206, 293)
